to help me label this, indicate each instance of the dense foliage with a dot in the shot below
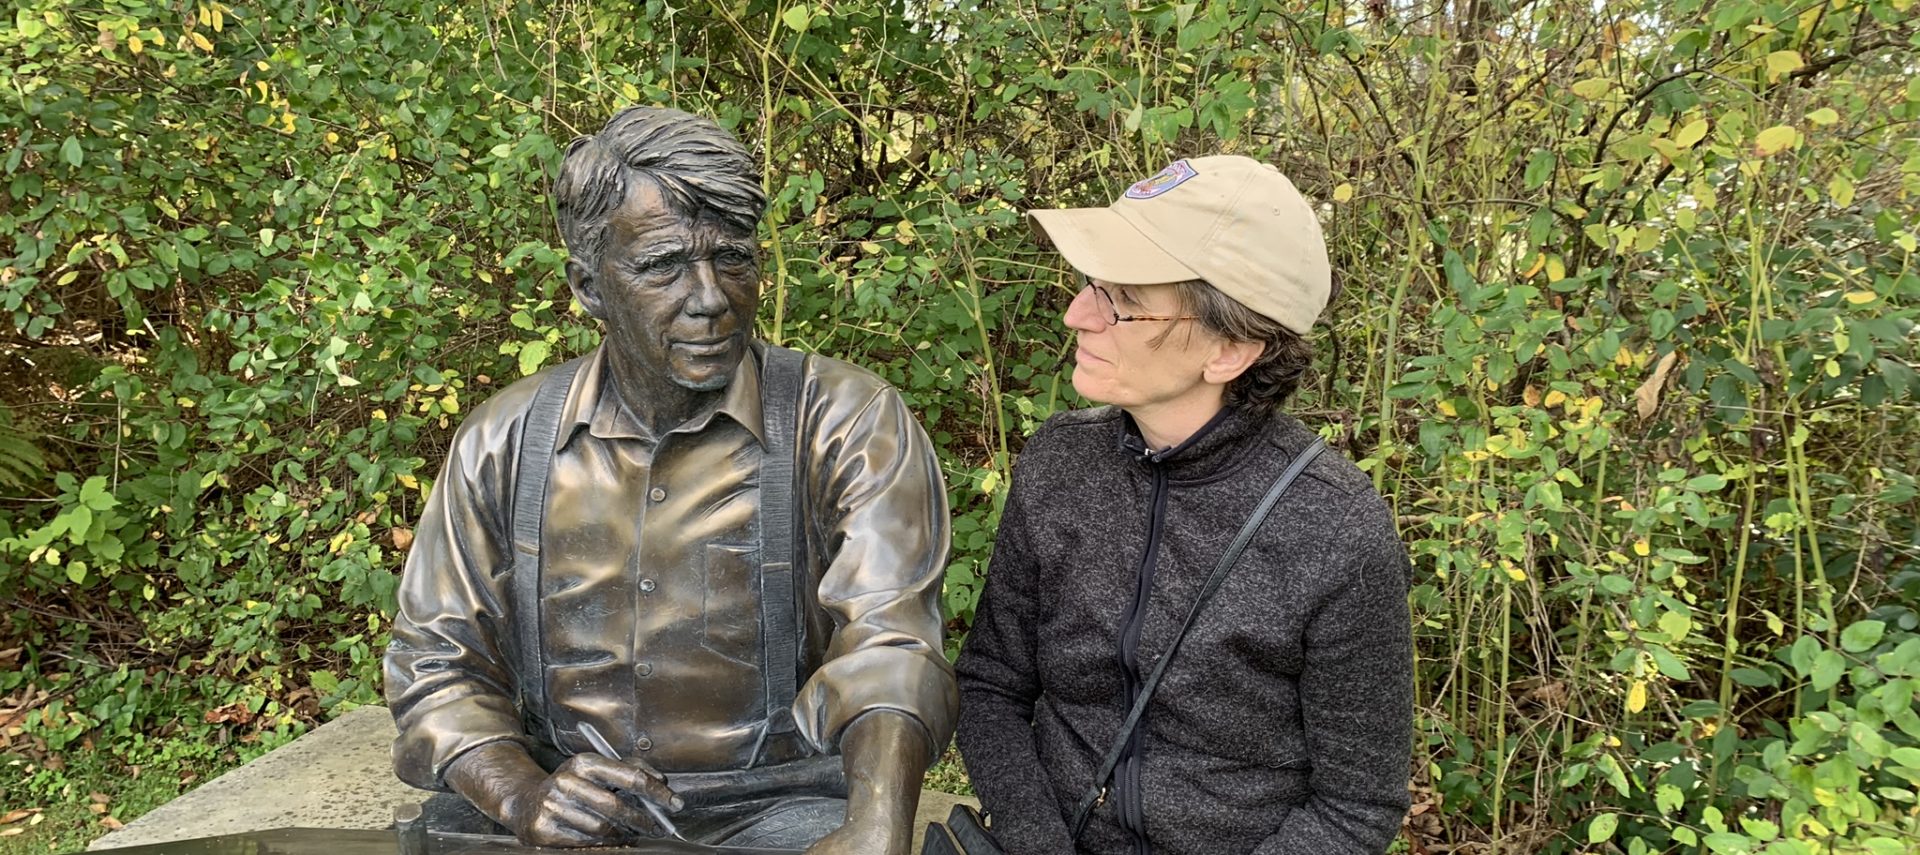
(1628, 339)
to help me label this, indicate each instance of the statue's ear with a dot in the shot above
(586, 289)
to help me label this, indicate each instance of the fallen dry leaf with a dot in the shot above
(97, 808)
(112, 824)
(99, 798)
(13, 816)
(1648, 395)
(9, 832)
(402, 538)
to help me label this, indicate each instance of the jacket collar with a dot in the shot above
(1210, 451)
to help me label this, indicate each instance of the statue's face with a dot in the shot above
(677, 294)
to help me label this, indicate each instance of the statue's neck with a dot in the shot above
(653, 401)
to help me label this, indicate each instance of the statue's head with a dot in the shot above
(658, 211)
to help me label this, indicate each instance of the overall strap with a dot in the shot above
(1098, 789)
(780, 390)
(537, 436)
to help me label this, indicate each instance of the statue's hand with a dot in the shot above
(862, 838)
(580, 804)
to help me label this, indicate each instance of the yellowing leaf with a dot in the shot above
(1641, 548)
(201, 42)
(1637, 696)
(1556, 269)
(1782, 61)
(1539, 261)
(1592, 87)
(1555, 398)
(1775, 140)
(1692, 134)
(1446, 409)
(1823, 116)
(136, 45)
(1840, 190)
(1343, 192)
(1861, 297)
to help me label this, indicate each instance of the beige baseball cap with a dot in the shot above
(1231, 220)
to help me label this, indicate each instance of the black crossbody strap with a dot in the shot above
(780, 389)
(1085, 810)
(537, 436)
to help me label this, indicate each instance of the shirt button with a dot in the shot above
(647, 586)
(643, 669)
(658, 494)
(644, 744)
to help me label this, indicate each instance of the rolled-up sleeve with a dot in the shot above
(446, 677)
(879, 507)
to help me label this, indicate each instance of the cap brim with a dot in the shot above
(1102, 244)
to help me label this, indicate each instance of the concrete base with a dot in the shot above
(338, 776)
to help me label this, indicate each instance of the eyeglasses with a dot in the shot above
(1112, 312)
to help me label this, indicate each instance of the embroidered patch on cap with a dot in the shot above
(1169, 178)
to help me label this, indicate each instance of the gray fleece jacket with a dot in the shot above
(1283, 725)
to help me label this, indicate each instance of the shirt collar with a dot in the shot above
(592, 403)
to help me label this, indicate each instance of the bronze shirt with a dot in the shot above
(650, 618)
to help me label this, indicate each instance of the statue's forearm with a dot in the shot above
(496, 778)
(887, 755)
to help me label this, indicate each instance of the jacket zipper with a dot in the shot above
(1126, 779)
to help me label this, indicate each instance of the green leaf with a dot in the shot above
(1706, 483)
(796, 18)
(1668, 663)
(1862, 636)
(1602, 827)
(94, 494)
(1752, 677)
(1668, 798)
(76, 571)
(1675, 625)
(1906, 756)
(533, 354)
(71, 153)
(1827, 670)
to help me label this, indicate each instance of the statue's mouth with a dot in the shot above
(705, 347)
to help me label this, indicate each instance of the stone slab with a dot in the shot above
(338, 776)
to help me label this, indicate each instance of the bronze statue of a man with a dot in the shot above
(687, 584)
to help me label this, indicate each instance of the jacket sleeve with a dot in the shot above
(447, 677)
(1356, 698)
(879, 506)
(999, 684)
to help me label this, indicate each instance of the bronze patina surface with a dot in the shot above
(648, 618)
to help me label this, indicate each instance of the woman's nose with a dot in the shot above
(1084, 312)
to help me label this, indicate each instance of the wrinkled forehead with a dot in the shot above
(653, 212)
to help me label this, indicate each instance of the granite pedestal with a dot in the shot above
(338, 776)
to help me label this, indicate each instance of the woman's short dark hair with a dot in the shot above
(697, 165)
(1285, 356)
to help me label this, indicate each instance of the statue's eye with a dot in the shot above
(657, 264)
(733, 257)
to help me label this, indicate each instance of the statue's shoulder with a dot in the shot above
(489, 427)
(837, 382)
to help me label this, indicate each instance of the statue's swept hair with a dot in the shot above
(696, 164)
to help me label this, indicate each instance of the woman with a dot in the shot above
(1283, 724)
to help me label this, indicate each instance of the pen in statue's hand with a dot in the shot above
(601, 745)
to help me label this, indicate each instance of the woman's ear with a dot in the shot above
(1230, 360)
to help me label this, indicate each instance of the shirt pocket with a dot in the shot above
(731, 605)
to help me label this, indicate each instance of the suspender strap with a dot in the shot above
(537, 437)
(1098, 789)
(780, 388)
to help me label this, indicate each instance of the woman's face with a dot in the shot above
(1117, 363)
